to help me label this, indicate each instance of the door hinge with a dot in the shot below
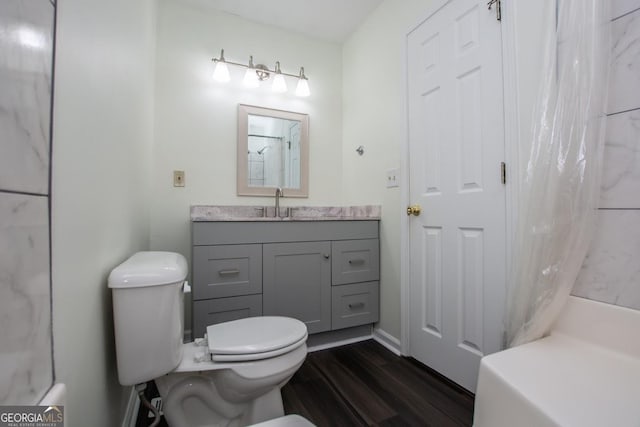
(503, 172)
(498, 8)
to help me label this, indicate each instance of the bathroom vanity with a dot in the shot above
(319, 265)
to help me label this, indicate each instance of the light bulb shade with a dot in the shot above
(279, 85)
(221, 72)
(303, 88)
(251, 79)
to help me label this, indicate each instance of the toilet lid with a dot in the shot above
(254, 335)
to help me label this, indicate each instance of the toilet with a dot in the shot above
(230, 378)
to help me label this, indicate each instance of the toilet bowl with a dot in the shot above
(259, 355)
(288, 421)
(231, 378)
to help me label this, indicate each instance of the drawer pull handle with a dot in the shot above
(356, 305)
(326, 256)
(228, 272)
(357, 261)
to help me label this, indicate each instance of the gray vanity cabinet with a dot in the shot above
(325, 273)
(297, 282)
(227, 270)
(354, 304)
(355, 279)
(355, 261)
(217, 310)
(227, 284)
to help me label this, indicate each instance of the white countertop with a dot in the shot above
(203, 213)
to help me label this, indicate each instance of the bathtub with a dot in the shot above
(56, 396)
(585, 373)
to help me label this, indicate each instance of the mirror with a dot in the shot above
(273, 151)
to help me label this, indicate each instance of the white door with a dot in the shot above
(456, 146)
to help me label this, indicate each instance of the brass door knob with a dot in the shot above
(414, 210)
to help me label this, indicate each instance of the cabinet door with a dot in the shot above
(355, 261)
(297, 282)
(226, 271)
(212, 311)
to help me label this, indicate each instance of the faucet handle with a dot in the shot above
(286, 213)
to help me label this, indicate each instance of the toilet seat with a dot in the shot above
(194, 361)
(255, 338)
(258, 356)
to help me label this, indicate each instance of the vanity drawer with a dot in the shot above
(226, 270)
(210, 312)
(355, 261)
(353, 305)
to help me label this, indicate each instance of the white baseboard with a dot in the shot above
(338, 343)
(389, 341)
(338, 338)
(133, 405)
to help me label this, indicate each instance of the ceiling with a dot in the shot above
(331, 20)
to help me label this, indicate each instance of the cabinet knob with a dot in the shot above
(326, 256)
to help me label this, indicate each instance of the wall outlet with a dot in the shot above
(178, 178)
(393, 178)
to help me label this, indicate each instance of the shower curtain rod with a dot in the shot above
(266, 136)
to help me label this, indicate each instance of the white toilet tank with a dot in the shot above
(148, 314)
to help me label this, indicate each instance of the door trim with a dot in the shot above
(511, 144)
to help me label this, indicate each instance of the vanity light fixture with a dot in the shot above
(303, 86)
(257, 73)
(221, 72)
(251, 77)
(279, 85)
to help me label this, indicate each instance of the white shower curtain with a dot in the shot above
(561, 183)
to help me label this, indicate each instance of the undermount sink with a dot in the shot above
(287, 213)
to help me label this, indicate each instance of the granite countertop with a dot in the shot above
(203, 213)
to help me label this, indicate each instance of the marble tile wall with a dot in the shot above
(26, 51)
(25, 67)
(611, 272)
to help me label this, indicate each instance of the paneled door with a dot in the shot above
(456, 147)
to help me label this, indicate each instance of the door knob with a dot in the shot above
(414, 210)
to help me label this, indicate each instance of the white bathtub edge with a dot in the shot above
(56, 396)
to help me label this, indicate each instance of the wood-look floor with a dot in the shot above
(364, 384)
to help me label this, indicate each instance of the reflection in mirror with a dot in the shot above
(272, 152)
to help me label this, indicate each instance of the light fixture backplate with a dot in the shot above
(263, 72)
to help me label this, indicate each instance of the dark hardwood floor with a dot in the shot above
(364, 384)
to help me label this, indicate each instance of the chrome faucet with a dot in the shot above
(279, 194)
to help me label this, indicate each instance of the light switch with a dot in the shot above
(393, 178)
(178, 178)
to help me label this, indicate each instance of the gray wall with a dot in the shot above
(26, 45)
(611, 272)
(102, 136)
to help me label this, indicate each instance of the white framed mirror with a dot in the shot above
(273, 151)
